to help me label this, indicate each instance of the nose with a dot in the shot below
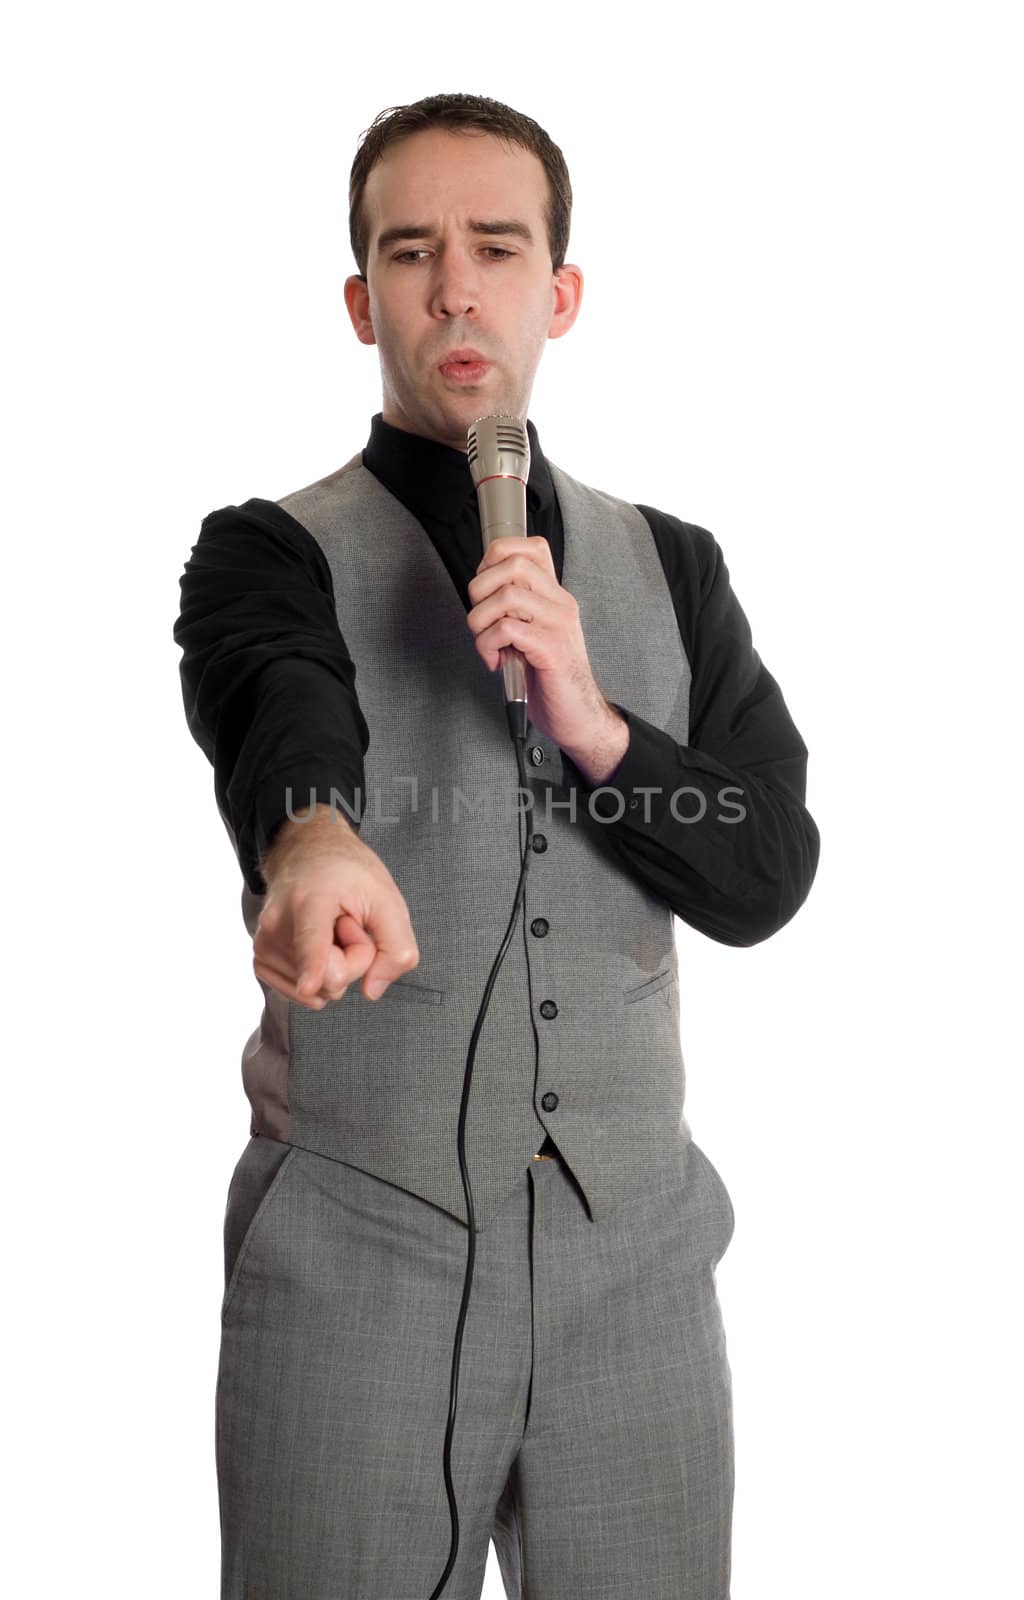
(456, 290)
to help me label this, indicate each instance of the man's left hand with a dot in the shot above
(518, 600)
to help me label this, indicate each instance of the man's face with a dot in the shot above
(446, 284)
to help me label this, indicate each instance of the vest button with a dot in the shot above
(540, 844)
(549, 1102)
(536, 755)
(539, 927)
(548, 1009)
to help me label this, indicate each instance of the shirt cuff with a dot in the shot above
(635, 792)
(280, 796)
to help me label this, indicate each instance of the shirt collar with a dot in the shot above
(433, 480)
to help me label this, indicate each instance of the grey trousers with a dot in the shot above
(593, 1439)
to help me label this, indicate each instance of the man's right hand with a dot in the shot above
(332, 914)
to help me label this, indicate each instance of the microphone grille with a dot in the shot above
(498, 444)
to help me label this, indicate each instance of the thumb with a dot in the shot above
(357, 946)
(396, 948)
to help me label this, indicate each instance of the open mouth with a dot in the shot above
(464, 371)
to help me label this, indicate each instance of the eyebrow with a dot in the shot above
(422, 230)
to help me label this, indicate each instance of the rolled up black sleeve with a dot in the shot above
(267, 680)
(722, 834)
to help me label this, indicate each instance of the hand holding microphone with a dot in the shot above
(522, 615)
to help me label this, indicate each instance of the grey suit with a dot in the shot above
(593, 1438)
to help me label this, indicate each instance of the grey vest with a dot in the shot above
(378, 1084)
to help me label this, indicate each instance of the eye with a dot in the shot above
(496, 250)
(403, 255)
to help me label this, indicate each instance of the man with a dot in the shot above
(593, 1437)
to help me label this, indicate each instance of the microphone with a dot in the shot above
(498, 451)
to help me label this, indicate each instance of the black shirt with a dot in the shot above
(270, 696)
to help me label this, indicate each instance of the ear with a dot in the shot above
(568, 298)
(357, 300)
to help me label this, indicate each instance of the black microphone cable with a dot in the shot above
(517, 717)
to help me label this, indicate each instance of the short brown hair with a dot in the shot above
(459, 112)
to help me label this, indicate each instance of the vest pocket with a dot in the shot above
(402, 989)
(640, 991)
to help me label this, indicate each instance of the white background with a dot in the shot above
(801, 328)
